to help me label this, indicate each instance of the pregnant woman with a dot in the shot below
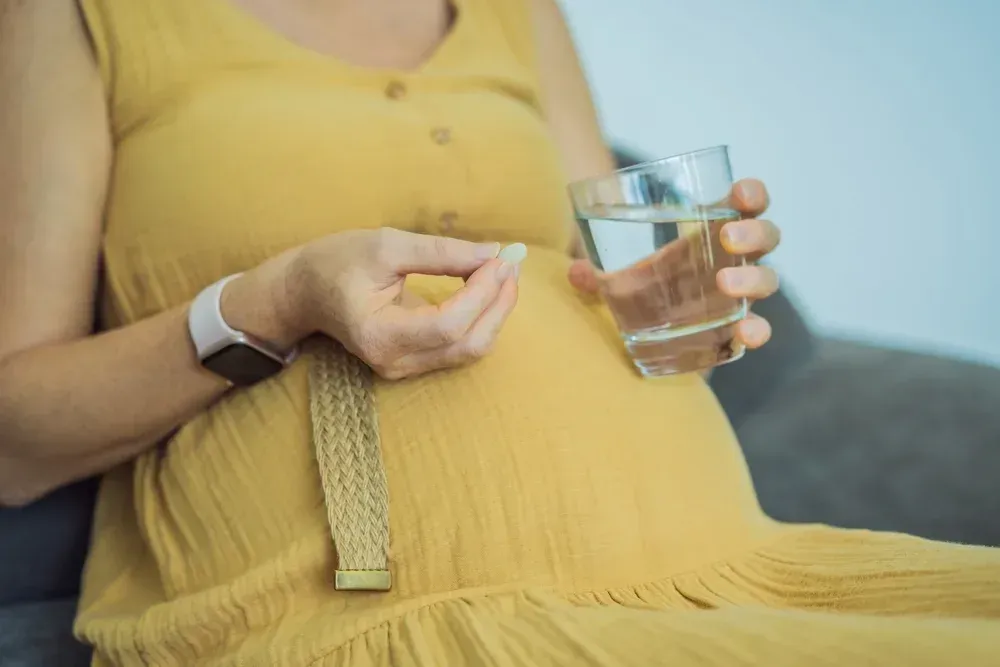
(459, 467)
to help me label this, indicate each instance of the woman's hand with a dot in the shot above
(751, 237)
(350, 286)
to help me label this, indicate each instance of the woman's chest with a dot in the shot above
(397, 34)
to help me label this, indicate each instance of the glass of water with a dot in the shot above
(652, 232)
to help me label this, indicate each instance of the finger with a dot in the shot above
(479, 340)
(435, 325)
(403, 253)
(750, 237)
(753, 331)
(477, 343)
(749, 197)
(583, 277)
(751, 282)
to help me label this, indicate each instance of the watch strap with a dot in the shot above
(209, 329)
(211, 333)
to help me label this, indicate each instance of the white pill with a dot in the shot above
(514, 253)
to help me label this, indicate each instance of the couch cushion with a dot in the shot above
(39, 635)
(874, 438)
(43, 546)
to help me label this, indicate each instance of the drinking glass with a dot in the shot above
(652, 232)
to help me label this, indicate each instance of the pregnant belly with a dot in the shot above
(548, 462)
(552, 462)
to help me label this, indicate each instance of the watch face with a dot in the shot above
(241, 364)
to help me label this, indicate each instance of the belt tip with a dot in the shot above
(362, 580)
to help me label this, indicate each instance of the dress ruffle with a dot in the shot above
(902, 600)
(816, 596)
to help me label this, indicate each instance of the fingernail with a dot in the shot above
(732, 279)
(747, 190)
(487, 250)
(736, 234)
(504, 271)
(754, 330)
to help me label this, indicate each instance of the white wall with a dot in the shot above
(875, 123)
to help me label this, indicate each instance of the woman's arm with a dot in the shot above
(73, 404)
(567, 102)
(566, 97)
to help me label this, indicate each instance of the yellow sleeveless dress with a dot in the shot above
(548, 506)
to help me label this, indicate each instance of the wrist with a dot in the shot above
(261, 303)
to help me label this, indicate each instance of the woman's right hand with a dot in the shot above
(350, 286)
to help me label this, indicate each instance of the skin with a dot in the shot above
(73, 403)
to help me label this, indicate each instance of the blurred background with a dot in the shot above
(875, 124)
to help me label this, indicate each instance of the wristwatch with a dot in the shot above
(234, 355)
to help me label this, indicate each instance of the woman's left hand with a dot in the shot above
(752, 237)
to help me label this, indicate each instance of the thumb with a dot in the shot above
(583, 277)
(403, 253)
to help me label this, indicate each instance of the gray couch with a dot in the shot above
(874, 438)
(865, 437)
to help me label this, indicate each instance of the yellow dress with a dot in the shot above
(548, 506)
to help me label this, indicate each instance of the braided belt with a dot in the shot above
(349, 454)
